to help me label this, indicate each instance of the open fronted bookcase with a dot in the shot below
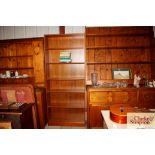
(65, 79)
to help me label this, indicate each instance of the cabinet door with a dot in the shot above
(147, 99)
(95, 117)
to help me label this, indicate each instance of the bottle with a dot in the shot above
(16, 73)
(8, 74)
(12, 73)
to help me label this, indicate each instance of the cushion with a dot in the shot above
(17, 93)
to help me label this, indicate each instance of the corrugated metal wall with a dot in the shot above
(17, 32)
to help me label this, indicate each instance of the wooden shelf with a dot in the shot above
(16, 68)
(66, 107)
(67, 48)
(118, 35)
(65, 123)
(67, 90)
(144, 62)
(26, 80)
(101, 47)
(17, 56)
(53, 63)
(66, 78)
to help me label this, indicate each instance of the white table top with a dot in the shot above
(113, 125)
(109, 123)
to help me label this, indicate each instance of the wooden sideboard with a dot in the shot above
(101, 99)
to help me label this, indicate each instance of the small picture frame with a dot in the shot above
(121, 73)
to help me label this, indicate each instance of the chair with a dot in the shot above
(19, 93)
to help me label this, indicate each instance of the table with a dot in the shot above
(108, 123)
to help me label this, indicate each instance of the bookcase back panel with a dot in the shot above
(76, 55)
(63, 99)
(66, 70)
(66, 84)
(62, 42)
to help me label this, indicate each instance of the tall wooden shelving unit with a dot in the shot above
(25, 56)
(118, 47)
(65, 82)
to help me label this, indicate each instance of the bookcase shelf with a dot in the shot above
(65, 81)
(67, 90)
(142, 62)
(65, 63)
(117, 47)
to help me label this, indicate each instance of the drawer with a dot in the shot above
(99, 97)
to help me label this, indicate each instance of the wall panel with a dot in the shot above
(8, 32)
(74, 29)
(30, 31)
(1, 32)
(19, 32)
(53, 30)
(41, 30)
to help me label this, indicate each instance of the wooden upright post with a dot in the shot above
(61, 29)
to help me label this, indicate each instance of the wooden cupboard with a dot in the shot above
(102, 98)
(65, 81)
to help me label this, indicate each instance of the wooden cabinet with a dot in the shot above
(101, 99)
(110, 48)
(25, 56)
(65, 81)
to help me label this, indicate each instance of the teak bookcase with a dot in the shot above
(65, 82)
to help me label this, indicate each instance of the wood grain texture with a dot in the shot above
(65, 82)
(24, 55)
(118, 47)
(102, 98)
